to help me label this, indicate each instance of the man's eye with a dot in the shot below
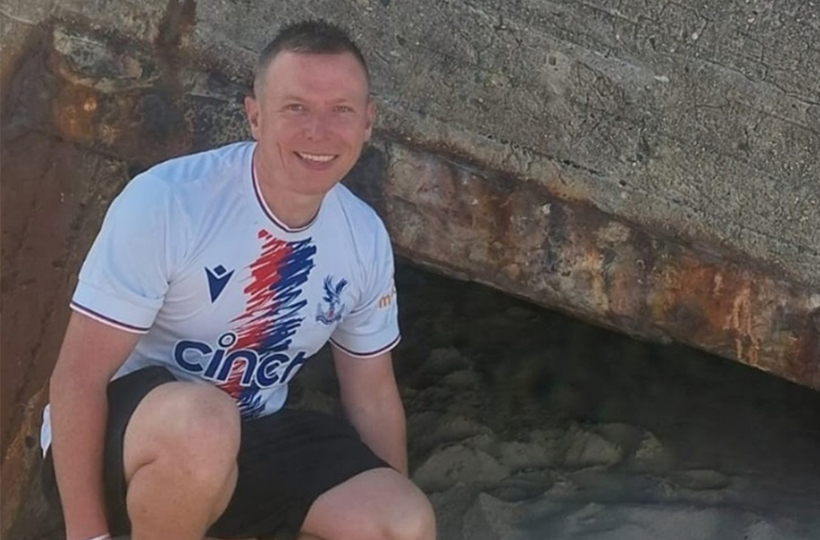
(344, 109)
(295, 107)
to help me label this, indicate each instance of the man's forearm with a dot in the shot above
(78, 417)
(381, 424)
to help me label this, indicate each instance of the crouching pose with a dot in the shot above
(214, 278)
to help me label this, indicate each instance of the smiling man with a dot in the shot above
(214, 278)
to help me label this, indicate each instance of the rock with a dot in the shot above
(519, 488)
(455, 464)
(450, 506)
(761, 529)
(444, 361)
(428, 429)
(492, 519)
(587, 449)
(651, 454)
(641, 447)
(517, 456)
(433, 398)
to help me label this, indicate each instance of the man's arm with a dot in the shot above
(90, 355)
(371, 401)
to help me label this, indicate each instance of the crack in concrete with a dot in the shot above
(17, 18)
(789, 121)
(723, 67)
(568, 35)
(613, 14)
(577, 166)
(378, 54)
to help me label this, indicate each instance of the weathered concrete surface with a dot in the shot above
(646, 166)
(53, 198)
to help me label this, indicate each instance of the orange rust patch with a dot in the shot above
(90, 105)
(699, 299)
(73, 112)
(731, 311)
(740, 323)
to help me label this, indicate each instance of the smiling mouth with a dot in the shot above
(316, 158)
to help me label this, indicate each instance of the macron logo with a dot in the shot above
(217, 279)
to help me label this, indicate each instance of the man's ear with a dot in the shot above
(252, 112)
(370, 117)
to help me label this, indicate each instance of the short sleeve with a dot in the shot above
(125, 276)
(372, 327)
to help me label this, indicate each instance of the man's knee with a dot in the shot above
(192, 428)
(413, 518)
(379, 504)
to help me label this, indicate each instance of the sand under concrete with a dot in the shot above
(524, 424)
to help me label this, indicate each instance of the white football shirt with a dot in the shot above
(190, 256)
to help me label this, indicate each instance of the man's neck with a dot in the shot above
(293, 210)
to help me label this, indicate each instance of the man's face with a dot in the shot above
(311, 118)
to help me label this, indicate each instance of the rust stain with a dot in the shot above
(806, 364)
(73, 112)
(741, 325)
(590, 266)
(90, 104)
(17, 47)
(732, 311)
(18, 463)
(555, 239)
(179, 20)
(680, 300)
(717, 285)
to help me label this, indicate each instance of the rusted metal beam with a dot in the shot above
(519, 237)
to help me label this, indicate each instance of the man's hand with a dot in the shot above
(91, 354)
(371, 401)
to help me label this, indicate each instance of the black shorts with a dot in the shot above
(286, 461)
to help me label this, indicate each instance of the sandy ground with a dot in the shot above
(524, 424)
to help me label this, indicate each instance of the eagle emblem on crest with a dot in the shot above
(332, 299)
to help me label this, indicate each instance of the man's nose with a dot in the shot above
(316, 125)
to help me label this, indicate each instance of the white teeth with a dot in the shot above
(320, 158)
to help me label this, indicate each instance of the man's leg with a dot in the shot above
(379, 504)
(179, 458)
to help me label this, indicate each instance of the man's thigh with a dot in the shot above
(180, 458)
(287, 461)
(124, 395)
(376, 504)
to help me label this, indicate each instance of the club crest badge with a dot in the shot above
(333, 301)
